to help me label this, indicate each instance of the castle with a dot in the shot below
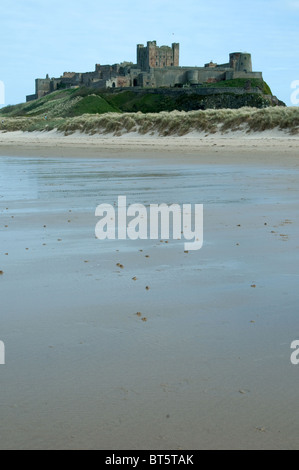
(155, 67)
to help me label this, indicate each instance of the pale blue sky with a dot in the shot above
(42, 36)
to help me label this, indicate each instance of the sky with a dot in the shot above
(40, 37)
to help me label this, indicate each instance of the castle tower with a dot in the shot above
(141, 57)
(240, 62)
(176, 54)
(152, 53)
(153, 56)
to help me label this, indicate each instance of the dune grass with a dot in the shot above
(164, 123)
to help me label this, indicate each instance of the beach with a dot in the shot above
(123, 344)
(194, 147)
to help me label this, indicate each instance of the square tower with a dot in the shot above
(153, 56)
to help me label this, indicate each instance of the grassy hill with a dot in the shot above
(162, 111)
(64, 103)
(75, 102)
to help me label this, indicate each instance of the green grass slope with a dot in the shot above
(162, 111)
(243, 83)
(64, 103)
(75, 102)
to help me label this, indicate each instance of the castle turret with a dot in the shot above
(192, 77)
(141, 57)
(176, 54)
(240, 62)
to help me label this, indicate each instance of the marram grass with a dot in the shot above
(176, 123)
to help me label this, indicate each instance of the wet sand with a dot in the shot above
(205, 364)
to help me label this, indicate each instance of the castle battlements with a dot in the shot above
(156, 67)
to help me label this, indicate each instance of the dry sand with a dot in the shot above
(257, 148)
(210, 367)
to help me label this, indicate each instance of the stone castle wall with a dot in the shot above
(156, 67)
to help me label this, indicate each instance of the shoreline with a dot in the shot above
(273, 147)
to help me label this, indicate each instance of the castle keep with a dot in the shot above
(155, 67)
(153, 56)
